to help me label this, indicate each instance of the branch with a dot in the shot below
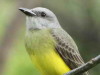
(85, 67)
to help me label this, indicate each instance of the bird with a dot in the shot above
(49, 46)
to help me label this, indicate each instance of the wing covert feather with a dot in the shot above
(67, 48)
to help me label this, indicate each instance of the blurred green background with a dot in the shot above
(80, 18)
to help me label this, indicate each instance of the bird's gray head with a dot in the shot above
(40, 18)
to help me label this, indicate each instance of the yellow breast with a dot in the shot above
(41, 48)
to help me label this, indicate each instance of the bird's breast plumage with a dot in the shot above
(41, 48)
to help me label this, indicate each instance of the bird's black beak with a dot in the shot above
(28, 12)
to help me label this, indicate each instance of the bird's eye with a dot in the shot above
(43, 14)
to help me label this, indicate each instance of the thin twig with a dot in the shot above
(85, 67)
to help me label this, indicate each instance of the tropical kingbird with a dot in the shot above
(50, 47)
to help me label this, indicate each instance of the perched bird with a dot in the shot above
(50, 47)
